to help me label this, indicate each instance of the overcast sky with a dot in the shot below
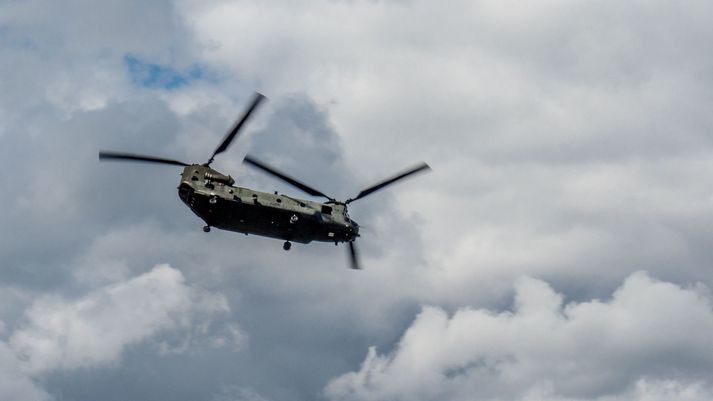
(559, 250)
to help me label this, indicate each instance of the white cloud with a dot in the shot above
(560, 133)
(15, 384)
(648, 342)
(569, 141)
(668, 390)
(95, 329)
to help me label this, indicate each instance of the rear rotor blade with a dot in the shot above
(109, 155)
(382, 184)
(284, 177)
(354, 256)
(257, 98)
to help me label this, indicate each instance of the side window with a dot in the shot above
(326, 209)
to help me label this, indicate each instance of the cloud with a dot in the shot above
(14, 383)
(235, 393)
(569, 142)
(650, 340)
(95, 329)
(565, 138)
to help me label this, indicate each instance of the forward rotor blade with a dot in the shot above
(108, 155)
(382, 184)
(284, 177)
(354, 256)
(257, 98)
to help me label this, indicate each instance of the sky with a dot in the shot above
(559, 250)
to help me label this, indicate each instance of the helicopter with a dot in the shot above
(214, 198)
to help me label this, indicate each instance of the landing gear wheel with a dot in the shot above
(206, 229)
(287, 245)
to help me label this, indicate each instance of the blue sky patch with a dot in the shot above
(157, 76)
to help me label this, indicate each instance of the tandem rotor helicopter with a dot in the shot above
(212, 197)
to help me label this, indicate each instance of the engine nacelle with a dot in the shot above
(217, 177)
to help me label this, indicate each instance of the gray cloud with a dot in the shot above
(569, 143)
(14, 383)
(56, 334)
(94, 330)
(649, 330)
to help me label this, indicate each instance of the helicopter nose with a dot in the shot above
(355, 228)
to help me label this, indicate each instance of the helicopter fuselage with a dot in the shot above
(212, 196)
